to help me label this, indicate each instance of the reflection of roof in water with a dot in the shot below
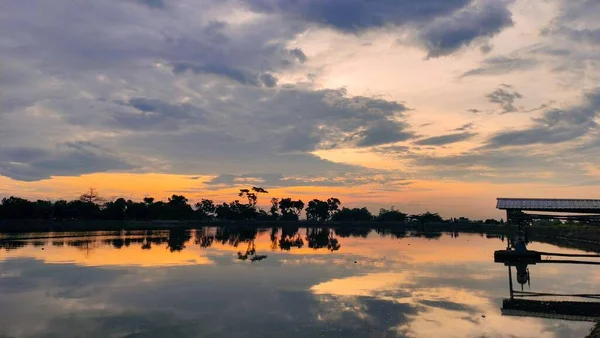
(567, 310)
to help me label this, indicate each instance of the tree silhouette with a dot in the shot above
(273, 211)
(318, 210)
(136, 210)
(428, 217)
(235, 211)
(17, 208)
(290, 209)
(179, 207)
(252, 194)
(115, 210)
(205, 209)
(391, 215)
(355, 214)
(91, 196)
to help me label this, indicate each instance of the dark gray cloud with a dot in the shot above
(442, 26)
(117, 35)
(445, 139)
(519, 165)
(501, 65)
(238, 75)
(160, 4)
(505, 98)
(188, 93)
(280, 180)
(120, 78)
(486, 48)
(155, 114)
(268, 80)
(482, 19)
(584, 35)
(555, 125)
(570, 43)
(299, 54)
(572, 22)
(69, 159)
(357, 15)
(465, 127)
(393, 149)
(383, 132)
(299, 140)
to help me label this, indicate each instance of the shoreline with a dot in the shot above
(580, 236)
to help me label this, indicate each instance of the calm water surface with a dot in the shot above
(223, 282)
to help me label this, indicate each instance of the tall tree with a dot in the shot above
(273, 211)
(290, 209)
(115, 210)
(205, 209)
(318, 210)
(252, 194)
(179, 207)
(91, 196)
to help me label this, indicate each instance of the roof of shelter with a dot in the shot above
(549, 204)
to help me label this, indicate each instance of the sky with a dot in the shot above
(439, 105)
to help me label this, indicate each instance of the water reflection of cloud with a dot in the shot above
(302, 293)
(444, 311)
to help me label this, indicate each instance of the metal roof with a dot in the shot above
(549, 204)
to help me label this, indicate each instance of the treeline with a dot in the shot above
(91, 206)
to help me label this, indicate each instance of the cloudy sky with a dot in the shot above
(438, 105)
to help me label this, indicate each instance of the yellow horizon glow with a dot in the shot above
(450, 198)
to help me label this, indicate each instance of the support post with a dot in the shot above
(510, 282)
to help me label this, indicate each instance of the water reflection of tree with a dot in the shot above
(151, 238)
(12, 245)
(285, 238)
(204, 238)
(250, 253)
(394, 233)
(319, 238)
(290, 238)
(273, 237)
(177, 238)
(353, 232)
(235, 235)
(427, 235)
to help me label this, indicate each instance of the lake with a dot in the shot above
(242, 282)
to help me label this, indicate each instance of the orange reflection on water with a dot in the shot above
(376, 250)
(97, 253)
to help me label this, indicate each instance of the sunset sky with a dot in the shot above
(439, 105)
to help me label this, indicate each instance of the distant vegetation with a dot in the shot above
(91, 206)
